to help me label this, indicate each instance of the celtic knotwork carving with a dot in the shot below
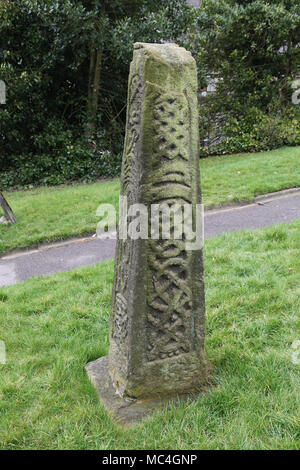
(170, 127)
(169, 301)
(169, 297)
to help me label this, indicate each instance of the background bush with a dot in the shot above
(251, 49)
(49, 132)
(54, 129)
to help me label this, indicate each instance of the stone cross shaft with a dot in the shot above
(158, 307)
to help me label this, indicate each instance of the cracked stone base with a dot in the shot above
(126, 412)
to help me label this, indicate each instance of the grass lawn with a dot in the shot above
(49, 214)
(53, 326)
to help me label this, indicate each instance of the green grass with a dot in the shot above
(53, 326)
(243, 177)
(49, 214)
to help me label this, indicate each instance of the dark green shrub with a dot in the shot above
(76, 163)
(46, 48)
(257, 132)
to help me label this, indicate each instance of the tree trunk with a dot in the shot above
(7, 209)
(93, 91)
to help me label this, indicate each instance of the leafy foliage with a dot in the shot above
(252, 50)
(250, 47)
(44, 55)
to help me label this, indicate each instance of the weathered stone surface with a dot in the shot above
(158, 307)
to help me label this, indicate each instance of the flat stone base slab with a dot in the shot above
(126, 412)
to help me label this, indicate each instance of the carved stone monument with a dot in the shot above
(158, 307)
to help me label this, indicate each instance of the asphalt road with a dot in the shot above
(48, 260)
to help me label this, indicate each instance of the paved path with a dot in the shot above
(69, 255)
